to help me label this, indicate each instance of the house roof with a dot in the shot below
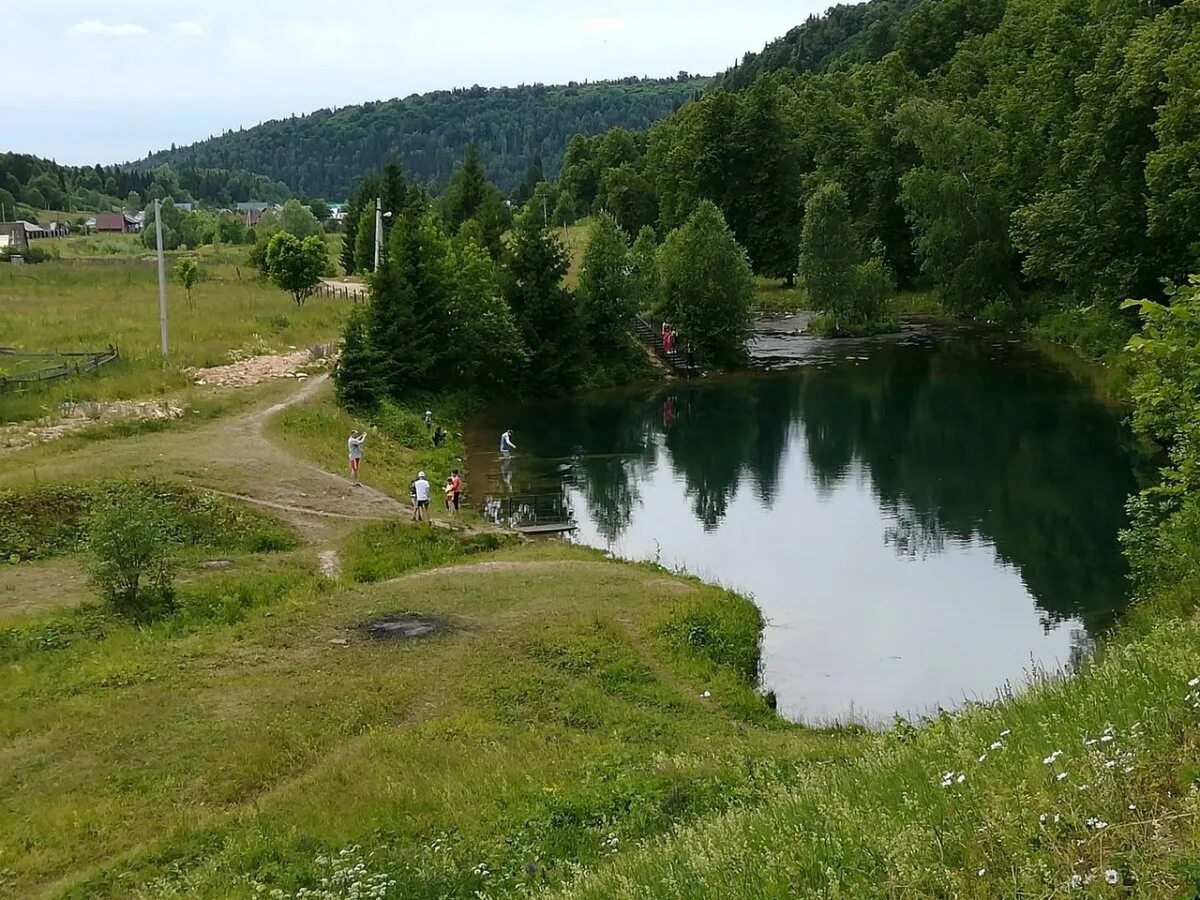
(252, 206)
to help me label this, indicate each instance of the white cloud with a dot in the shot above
(605, 23)
(190, 28)
(102, 29)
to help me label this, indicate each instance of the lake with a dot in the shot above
(922, 519)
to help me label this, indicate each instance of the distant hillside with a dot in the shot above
(326, 152)
(844, 35)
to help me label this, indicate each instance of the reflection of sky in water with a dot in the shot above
(836, 639)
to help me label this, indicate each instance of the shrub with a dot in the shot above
(133, 567)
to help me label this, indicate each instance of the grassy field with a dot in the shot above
(87, 306)
(260, 738)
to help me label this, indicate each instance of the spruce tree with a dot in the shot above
(535, 263)
(468, 190)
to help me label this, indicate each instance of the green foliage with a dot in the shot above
(293, 218)
(133, 558)
(356, 379)
(644, 280)
(1161, 541)
(186, 273)
(485, 349)
(605, 289)
(849, 290)
(546, 314)
(296, 265)
(707, 286)
(50, 522)
(724, 630)
(323, 153)
(32, 254)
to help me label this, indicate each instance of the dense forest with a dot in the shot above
(847, 34)
(29, 185)
(1013, 154)
(324, 154)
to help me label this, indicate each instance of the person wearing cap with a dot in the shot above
(422, 488)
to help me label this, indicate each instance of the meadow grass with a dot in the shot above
(1080, 787)
(80, 306)
(258, 737)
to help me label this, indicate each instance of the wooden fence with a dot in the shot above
(341, 291)
(74, 362)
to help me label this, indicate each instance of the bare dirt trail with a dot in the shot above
(287, 484)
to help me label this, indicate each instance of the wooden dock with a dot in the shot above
(548, 528)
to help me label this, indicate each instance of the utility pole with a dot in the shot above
(378, 230)
(162, 277)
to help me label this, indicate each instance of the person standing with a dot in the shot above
(428, 419)
(439, 436)
(354, 446)
(506, 443)
(422, 488)
(456, 491)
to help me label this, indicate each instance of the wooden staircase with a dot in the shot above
(652, 338)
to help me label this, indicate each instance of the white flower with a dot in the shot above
(1042, 818)
(1110, 764)
(983, 758)
(996, 745)
(1090, 742)
(1132, 807)
(1006, 732)
(1106, 738)
(1082, 787)
(983, 872)
(1076, 882)
(1112, 876)
(961, 778)
(1195, 681)
(1060, 776)
(706, 694)
(1052, 758)
(1096, 823)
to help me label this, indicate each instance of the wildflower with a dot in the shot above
(996, 745)
(1110, 763)
(961, 778)
(1061, 776)
(706, 694)
(1128, 769)
(1076, 882)
(1082, 787)
(1133, 807)
(1106, 738)
(1090, 742)
(1194, 682)
(983, 758)
(1042, 818)
(1006, 732)
(1096, 823)
(1112, 876)
(1052, 758)
(983, 872)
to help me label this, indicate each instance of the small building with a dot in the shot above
(185, 206)
(12, 235)
(117, 223)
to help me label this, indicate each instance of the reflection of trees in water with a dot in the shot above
(956, 448)
(962, 447)
(913, 534)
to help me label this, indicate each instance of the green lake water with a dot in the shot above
(922, 520)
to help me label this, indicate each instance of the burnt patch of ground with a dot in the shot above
(403, 627)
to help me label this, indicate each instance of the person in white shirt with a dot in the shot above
(422, 488)
(506, 442)
(354, 445)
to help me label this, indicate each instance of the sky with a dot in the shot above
(108, 81)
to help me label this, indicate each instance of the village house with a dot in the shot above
(116, 222)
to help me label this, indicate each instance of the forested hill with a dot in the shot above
(844, 35)
(324, 153)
